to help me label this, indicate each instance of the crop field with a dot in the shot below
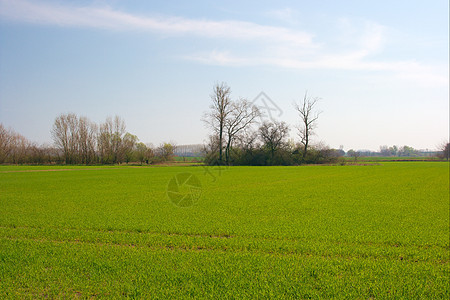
(373, 231)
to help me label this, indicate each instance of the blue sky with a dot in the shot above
(379, 67)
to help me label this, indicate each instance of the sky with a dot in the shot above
(380, 68)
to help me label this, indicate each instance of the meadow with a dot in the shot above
(353, 231)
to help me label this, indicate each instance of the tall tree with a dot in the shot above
(87, 140)
(110, 140)
(19, 148)
(118, 139)
(219, 111)
(128, 144)
(241, 116)
(5, 143)
(66, 136)
(308, 118)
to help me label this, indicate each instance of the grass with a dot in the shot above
(393, 158)
(188, 158)
(376, 231)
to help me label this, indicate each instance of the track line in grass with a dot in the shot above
(226, 236)
(158, 240)
(200, 249)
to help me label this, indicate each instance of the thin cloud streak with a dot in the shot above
(107, 18)
(424, 75)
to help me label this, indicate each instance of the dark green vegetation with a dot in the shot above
(313, 231)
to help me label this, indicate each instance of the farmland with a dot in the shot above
(372, 231)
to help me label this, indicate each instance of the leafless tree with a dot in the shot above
(5, 143)
(444, 149)
(117, 139)
(220, 109)
(241, 116)
(76, 137)
(87, 140)
(308, 119)
(273, 135)
(104, 141)
(65, 134)
(19, 148)
(248, 140)
(110, 140)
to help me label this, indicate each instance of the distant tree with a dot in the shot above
(110, 140)
(66, 136)
(143, 153)
(384, 151)
(119, 131)
(308, 118)
(393, 150)
(76, 137)
(444, 151)
(354, 154)
(217, 116)
(87, 139)
(166, 151)
(407, 151)
(5, 143)
(127, 146)
(273, 135)
(19, 149)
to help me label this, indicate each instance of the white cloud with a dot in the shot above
(107, 18)
(275, 46)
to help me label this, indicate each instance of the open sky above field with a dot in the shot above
(380, 67)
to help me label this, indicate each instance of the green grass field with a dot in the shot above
(375, 231)
(392, 158)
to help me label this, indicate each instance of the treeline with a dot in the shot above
(77, 140)
(16, 149)
(237, 138)
(241, 134)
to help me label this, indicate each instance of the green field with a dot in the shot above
(374, 231)
(392, 158)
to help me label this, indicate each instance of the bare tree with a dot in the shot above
(104, 141)
(444, 149)
(117, 139)
(308, 119)
(248, 140)
(19, 148)
(110, 140)
(241, 116)
(65, 134)
(87, 140)
(273, 135)
(76, 138)
(219, 110)
(5, 143)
